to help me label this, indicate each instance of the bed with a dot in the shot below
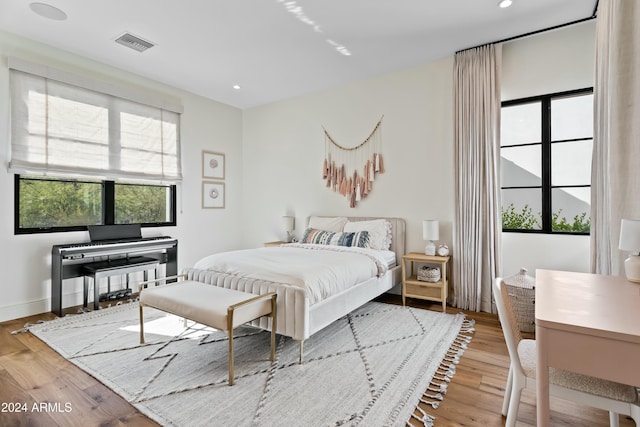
(303, 309)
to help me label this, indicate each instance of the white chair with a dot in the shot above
(610, 396)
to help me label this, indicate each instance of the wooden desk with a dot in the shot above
(586, 323)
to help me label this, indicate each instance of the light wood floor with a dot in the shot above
(32, 373)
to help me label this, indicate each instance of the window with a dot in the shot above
(545, 165)
(84, 152)
(46, 205)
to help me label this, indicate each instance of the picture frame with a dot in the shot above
(213, 195)
(213, 165)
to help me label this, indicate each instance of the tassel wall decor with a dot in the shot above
(351, 171)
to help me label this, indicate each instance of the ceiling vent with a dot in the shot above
(134, 42)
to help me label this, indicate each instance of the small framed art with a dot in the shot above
(212, 165)
(212, 195)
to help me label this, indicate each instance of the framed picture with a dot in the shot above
(212, 165)
(212, 195)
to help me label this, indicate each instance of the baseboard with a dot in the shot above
(16, 311)
(32, 308)
(71, 299)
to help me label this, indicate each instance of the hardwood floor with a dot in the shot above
(31, 373)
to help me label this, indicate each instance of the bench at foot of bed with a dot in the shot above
(219, 308)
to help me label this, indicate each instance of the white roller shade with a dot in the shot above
(61, 128)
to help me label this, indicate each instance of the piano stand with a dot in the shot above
(69, 261)
(100, 269)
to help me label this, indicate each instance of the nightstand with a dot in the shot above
(414, 288)
(277, 243)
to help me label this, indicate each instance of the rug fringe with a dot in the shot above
(426, 419)
(447, 369)
(26, 327)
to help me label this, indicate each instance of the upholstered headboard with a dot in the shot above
(397, 233)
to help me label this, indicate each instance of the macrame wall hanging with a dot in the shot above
(351, 171)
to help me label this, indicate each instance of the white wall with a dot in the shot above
(284, 147)
(550, 62)
(284, 152)
(274, 156)
(25, 260)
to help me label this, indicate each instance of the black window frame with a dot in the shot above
(108, 208)
(546, 143)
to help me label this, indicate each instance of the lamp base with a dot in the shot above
(430, 249)
(632, 268)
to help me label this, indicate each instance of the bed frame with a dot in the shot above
(296, 317)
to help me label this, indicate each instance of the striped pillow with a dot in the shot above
(358, 239)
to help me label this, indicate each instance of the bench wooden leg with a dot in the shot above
(141, 326)
(231, 373)
(230, 332)
(273, 327)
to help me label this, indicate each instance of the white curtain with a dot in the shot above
(616, 149)
(477, 222)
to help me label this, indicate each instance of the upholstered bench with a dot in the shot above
(209, 305)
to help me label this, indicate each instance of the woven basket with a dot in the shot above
(429, 274)
(521, 290)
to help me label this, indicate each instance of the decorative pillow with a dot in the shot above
(329, 223)
(324, 237)
(379, 232)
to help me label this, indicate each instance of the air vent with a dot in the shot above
(134, 42)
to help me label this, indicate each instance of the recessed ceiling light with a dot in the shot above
(236, 87)
(505, 3)
(48, 11)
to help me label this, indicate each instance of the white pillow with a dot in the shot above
(328, 223)
(379, 232)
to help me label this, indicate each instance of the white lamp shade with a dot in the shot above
(630, 235)
(430, 229)
(287, 223)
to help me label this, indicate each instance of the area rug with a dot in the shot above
(369, 368)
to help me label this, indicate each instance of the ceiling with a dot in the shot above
(277, 49)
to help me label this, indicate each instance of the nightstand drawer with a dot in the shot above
(434, 292)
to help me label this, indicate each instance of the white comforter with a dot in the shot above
(322, 270)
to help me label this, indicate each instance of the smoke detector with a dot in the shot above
(134, 42)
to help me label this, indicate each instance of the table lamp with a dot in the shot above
(630, 241)
(287, 225)
(430, 232)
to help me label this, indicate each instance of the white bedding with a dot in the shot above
(323, 270)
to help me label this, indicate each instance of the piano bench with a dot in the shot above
(209, 305)
(101, 269)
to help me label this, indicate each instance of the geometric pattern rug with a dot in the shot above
(369, 368)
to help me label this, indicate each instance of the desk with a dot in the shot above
(586, 323)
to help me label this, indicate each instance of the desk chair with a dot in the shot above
(610, 396)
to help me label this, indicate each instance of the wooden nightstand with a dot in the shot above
(414, 288)
(277, 243)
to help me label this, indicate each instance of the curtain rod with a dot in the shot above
(589, 18)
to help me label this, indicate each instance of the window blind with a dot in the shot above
(66, 129)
